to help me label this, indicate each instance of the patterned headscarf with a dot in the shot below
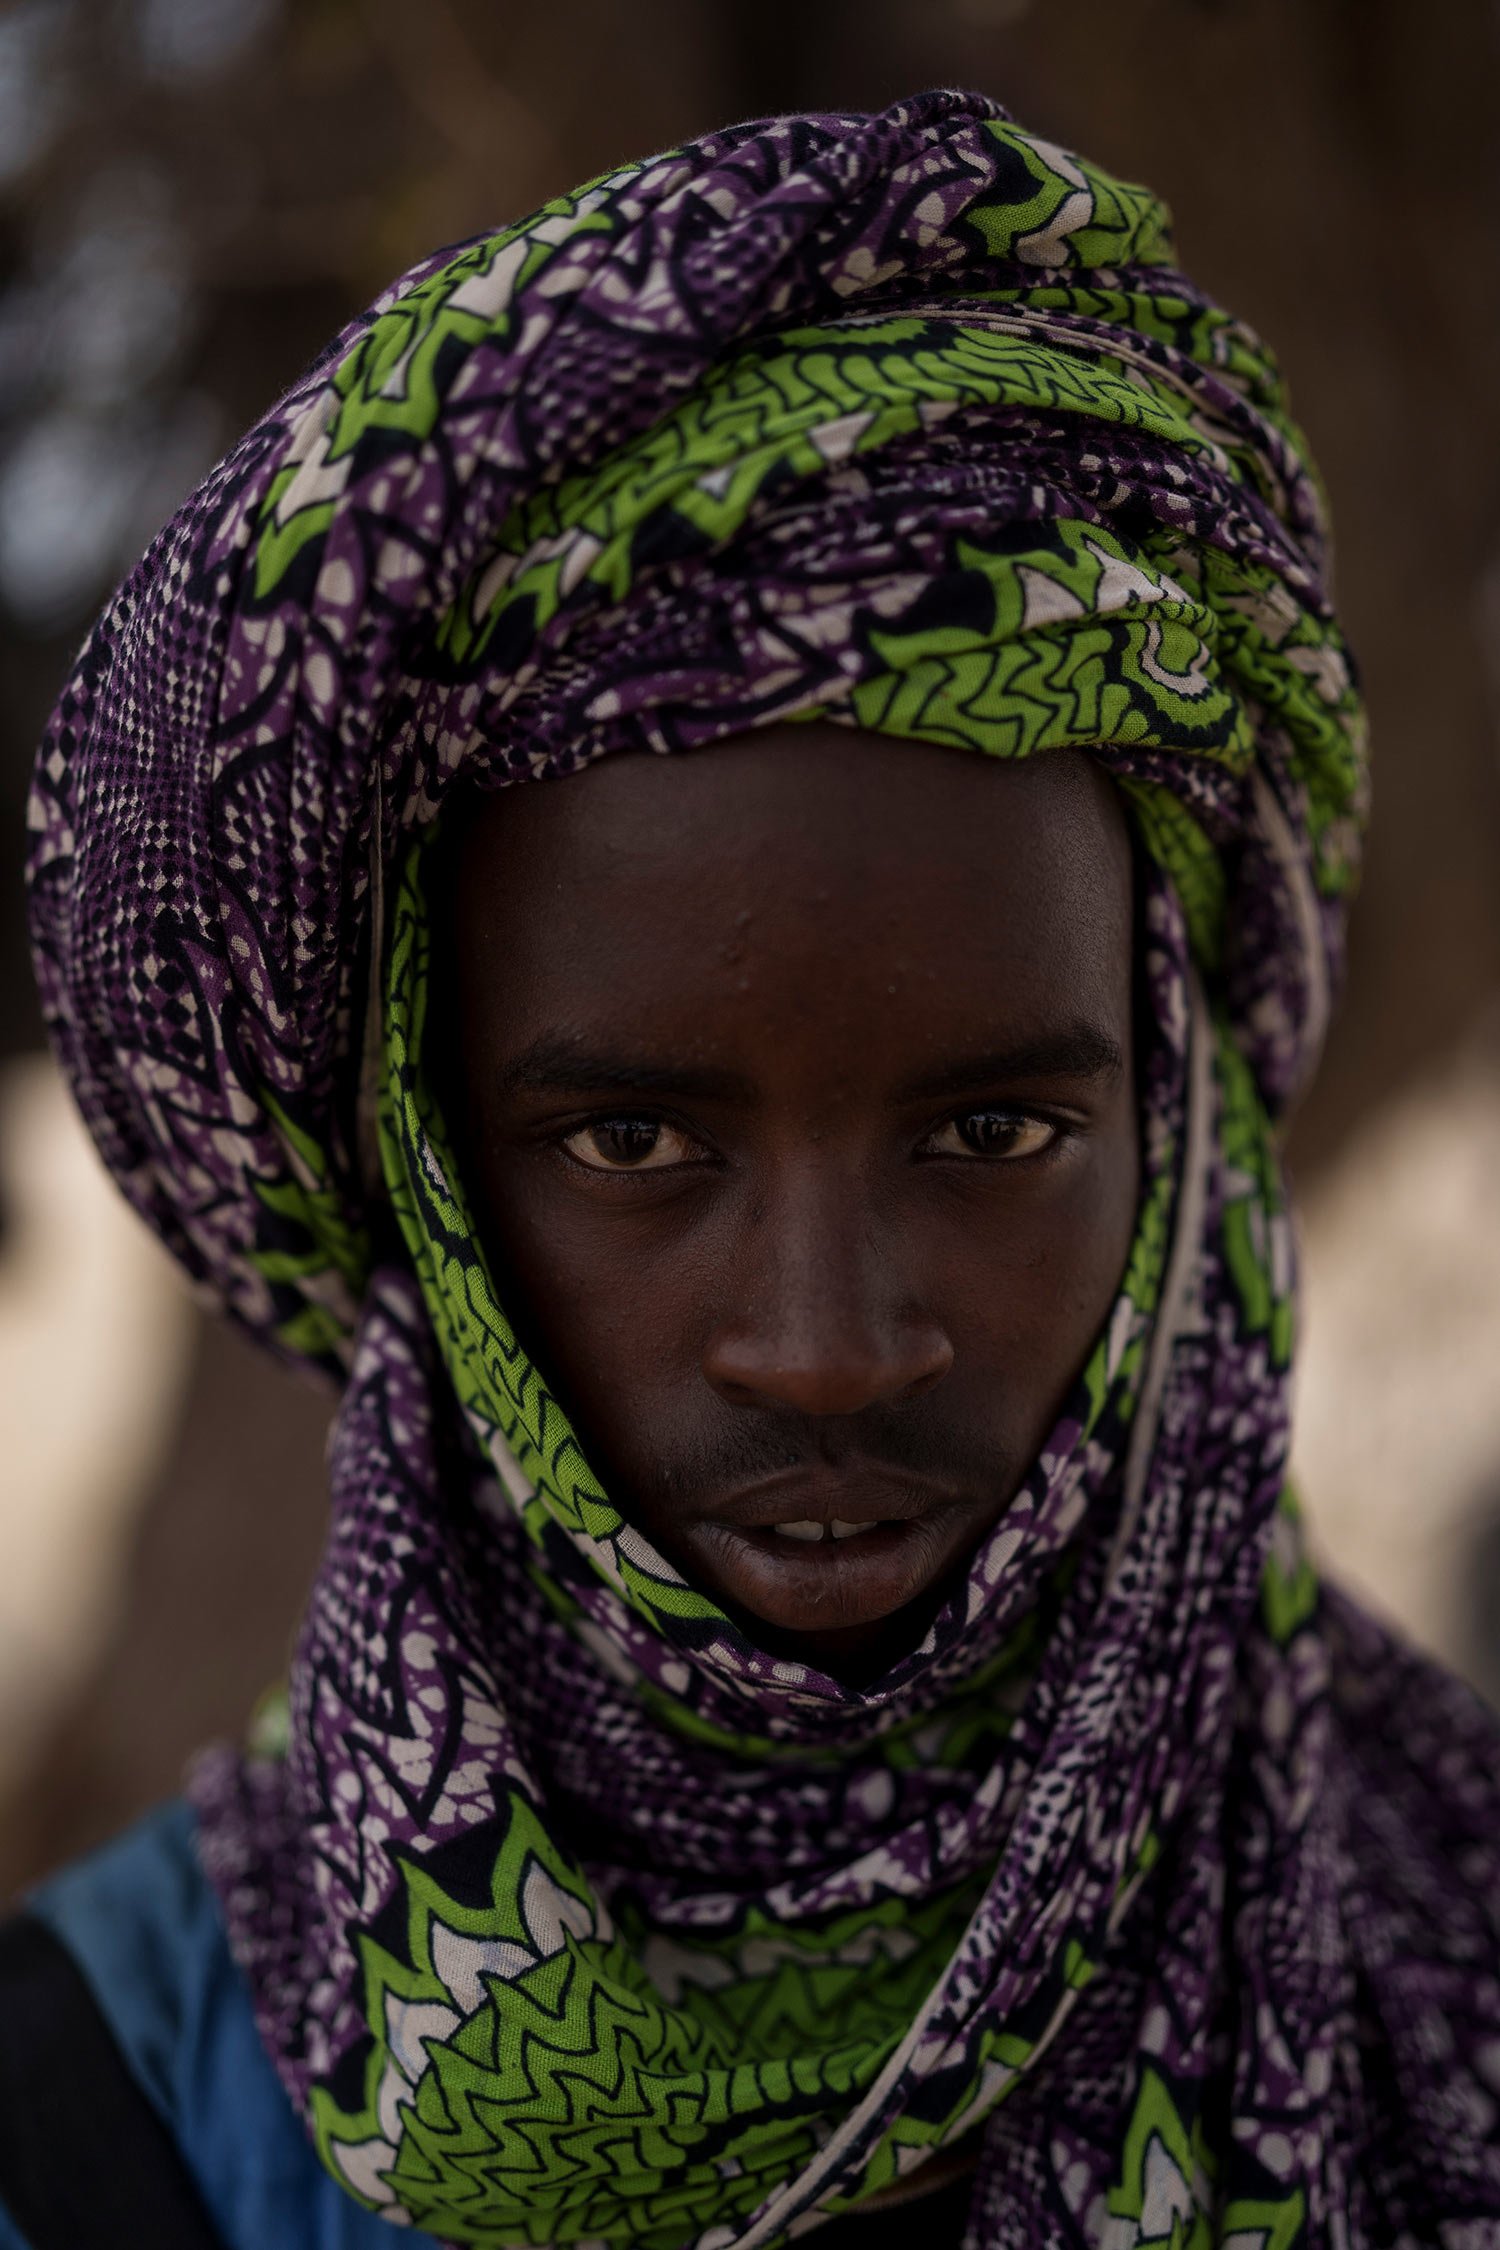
(569, 1914)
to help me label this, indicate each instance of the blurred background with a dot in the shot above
(194, 194)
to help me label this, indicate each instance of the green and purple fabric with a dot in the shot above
(570, 1915)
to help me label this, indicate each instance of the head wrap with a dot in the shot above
(570, 1915)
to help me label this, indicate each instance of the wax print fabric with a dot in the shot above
(1157, 1873)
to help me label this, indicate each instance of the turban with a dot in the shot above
(1157, 1873)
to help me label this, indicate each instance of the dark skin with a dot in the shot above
(795, 1085)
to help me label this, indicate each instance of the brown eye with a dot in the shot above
(627, 1144)
(993, 1132)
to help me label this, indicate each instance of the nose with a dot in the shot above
(821, 1319)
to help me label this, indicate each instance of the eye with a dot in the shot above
(628, 1144)
(993, 1132)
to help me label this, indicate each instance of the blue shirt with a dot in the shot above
(143, 1927)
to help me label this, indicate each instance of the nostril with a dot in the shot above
(841, 1378)
(939, 1362)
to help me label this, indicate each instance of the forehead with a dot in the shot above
(813, 867)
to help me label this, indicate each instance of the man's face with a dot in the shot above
(794, 1084)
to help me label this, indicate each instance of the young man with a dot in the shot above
(819, 1702)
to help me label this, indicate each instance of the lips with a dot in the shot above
(823, 1551)
(807, 1529)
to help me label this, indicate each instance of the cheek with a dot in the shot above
(608, 1315)
(1027, 1282)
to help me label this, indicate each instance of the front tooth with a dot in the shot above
(804, 1530)
(849, 1530)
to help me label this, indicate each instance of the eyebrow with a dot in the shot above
(1074, 1050)
(553, 1065)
